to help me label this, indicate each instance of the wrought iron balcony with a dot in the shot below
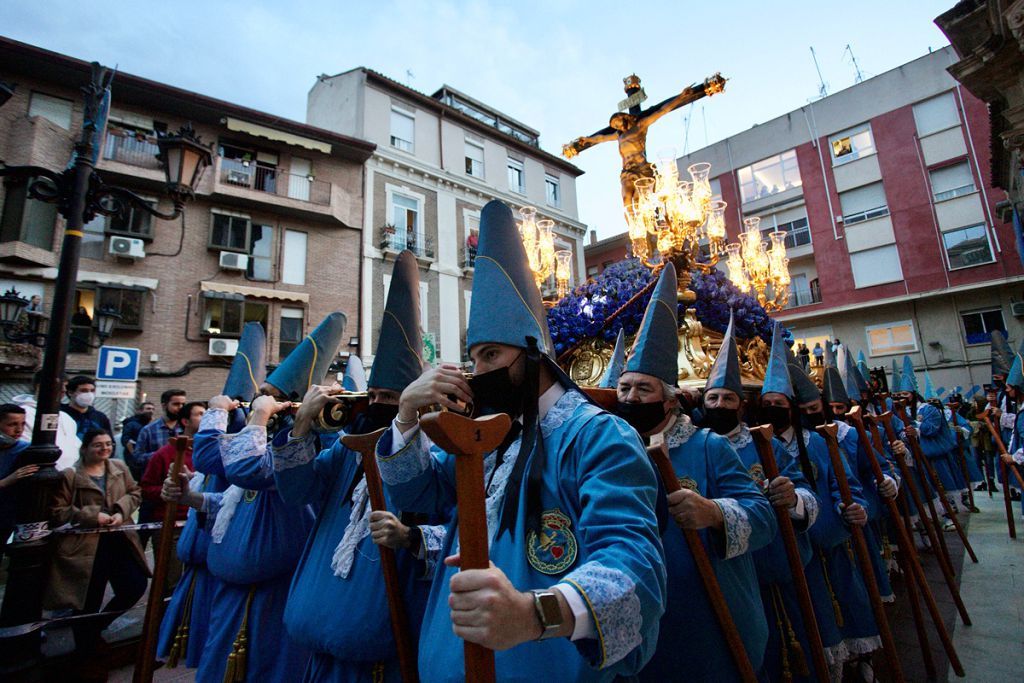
(274, 181)
(132, 148)
(394, 240)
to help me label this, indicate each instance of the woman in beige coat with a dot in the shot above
(96, 492)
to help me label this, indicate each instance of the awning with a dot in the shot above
(83, 276)
(278, 135)
(257, 292)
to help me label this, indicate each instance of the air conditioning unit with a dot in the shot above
(1017, 309)
(127, 247)
(223, 347)
(229, 260)
(239, 177)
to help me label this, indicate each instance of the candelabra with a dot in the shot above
(756, 267)
(539, 241)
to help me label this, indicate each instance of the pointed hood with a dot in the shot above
(656, 346)
(790, 356)
(804, 388)
(894, 386)
(399, 358)
(610, 380)
(776, 376)
(929, 388)
(852, 379)
(725, 373)
(1015, 377)
(834, 392)
(307, 364)
(355, 375)
(908, 380)
(249, 367)
(1002, 356)
(502, 278)
(862, 367)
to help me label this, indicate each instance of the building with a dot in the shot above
(438, 160)
(599, 254)
(279, 210)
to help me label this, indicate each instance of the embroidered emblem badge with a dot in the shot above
(757, 474)
(688, 483)
(249, 496)
(554, 549)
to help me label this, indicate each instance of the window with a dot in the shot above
(591, 272)
(261, 245)
(876, 266)
(132, 222)
(863, 203)
(798, 232)
(891, 338)
(516, 176)
(966, 247)
(474, 158)
(405, 216)
(55, 109)
(552, 190)
(979, 325)
(403, 129)
(294, 270)
(716, 189)
(127, 302)
(93, 234)
(852, 144)
(291, 331)
(936, 114)
(951, 181)
(224, 315)
(229, 232)
(769, 176)
(25, 219)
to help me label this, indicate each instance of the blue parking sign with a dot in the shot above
(118, 363)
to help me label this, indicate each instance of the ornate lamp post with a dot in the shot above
(539, 241)
(756, 268)
(81, 194)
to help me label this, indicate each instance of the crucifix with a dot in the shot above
(629, 126)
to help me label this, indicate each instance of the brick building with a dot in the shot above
(438, 160)
(273, 234)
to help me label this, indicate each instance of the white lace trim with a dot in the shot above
(862, 646)
(358, 528)
(741, 438)
(433, 542)
(228, 503)
(251, 442)
(737, 527)
(811, 506)
(407, 463)
(196, 482)
(612, 598)
(215, 419)
(681, 431)
(294, 453)
(836, 656)
(793, 448)
(844, 429)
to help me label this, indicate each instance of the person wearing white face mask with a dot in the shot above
(81, 391)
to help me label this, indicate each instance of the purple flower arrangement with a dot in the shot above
(581, 313)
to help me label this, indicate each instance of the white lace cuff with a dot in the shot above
(811, 507)
(614, 606)
(736, 527)
(433, 543)
(251, 442)
(407, 461)
(294, 453)
(1018, 457)
(214, 418)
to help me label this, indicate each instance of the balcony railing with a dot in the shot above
(274, 181)
(468, 257)
(397, 240)
(131, 148)
(804, 296)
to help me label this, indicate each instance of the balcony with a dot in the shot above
(394, 241)
(803, 296)
(270, 180)
(134, 149)
(468, 258)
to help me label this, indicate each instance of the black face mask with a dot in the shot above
(493, 392)
(812, 420)
(778, 417)
(720, 420)
(643, 417)
(375, 416)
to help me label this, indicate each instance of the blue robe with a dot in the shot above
(256, 542)
(937, 441)
(600, 533)
(690, 639)
(964, 446)
(343, 648)
(778, 593)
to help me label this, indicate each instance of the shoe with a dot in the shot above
(981, 487)
(1014, 495)
(948, 525)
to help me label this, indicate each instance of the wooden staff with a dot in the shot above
(922, 459)
(468, 440)
(953, 407)
(659, 454)
(908, 559)
(366, 445)
(830, 432)
(1007, 500)
(145, 662)
(763, 440)
(943, 557)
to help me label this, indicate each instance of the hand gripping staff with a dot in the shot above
(954, 407)
(923, 461)
(1006, 469)
(151, 622)
(763, 440)
(468, 440)
(934, 536)
(659, 454)
(829, 432)
(366, 445)
(909, 561)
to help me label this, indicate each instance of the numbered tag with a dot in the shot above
(49, 422)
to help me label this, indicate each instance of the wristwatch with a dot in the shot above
(549, 613)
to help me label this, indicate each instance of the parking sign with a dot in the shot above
(118, 363)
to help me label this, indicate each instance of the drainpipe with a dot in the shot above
(813, 132)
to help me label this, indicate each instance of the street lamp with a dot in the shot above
(80, 194)
(11, 306)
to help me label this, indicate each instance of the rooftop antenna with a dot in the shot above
(823, 90)
(409, 75)
(856, 67)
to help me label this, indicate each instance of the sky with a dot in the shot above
(555, 65)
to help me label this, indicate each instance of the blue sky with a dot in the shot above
(556, 65)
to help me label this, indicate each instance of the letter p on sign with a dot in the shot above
(118, 363)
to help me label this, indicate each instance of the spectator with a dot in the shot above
(67, 431)
(81, 393)
(97, 492)
(12, 425)
(153, 480)
(35, 304)
(81, 330)
(836, 345)
(131, 427)
(819, 353)
(805, 356)
(156, 434)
